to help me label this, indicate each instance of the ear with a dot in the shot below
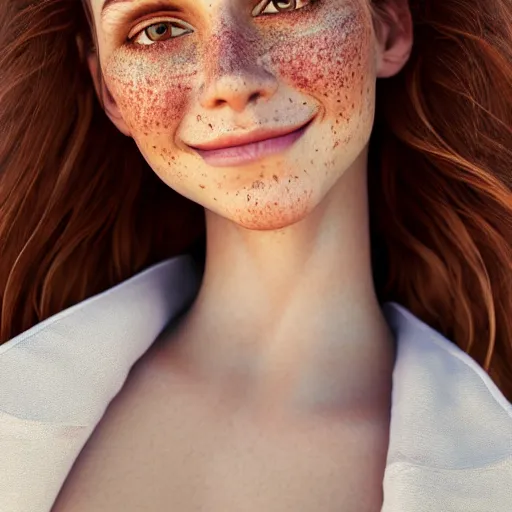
(109, 104)
(394, 36)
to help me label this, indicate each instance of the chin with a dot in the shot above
(270, 216)
(268, 224)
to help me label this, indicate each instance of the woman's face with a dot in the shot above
(189, 75)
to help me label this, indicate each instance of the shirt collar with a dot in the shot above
(451, 427)
(450, 446)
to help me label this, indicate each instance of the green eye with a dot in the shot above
(277, 6)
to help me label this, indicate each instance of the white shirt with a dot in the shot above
(450, 446)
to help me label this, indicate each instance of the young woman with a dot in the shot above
(255, 255)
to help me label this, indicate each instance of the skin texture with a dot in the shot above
(165, 92)
(287, 304)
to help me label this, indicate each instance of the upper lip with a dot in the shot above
(229, 141)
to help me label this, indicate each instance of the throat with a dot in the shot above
(319, 378)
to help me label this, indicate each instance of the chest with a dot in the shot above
(186, 451)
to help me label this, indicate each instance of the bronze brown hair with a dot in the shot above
(81, 211)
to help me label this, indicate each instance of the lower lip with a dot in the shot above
(248, 153)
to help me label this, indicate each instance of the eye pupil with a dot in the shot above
(285, 5)
(158, 30)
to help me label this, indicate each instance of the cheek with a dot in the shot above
(331, 63)
(151, 89)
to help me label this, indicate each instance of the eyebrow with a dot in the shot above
(109, 3)
(164, 4)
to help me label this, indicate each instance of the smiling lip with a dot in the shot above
(232, 150)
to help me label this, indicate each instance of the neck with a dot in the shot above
(291, 315)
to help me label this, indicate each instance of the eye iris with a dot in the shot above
(284, 5)
(157, 31)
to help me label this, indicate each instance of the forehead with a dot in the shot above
(102, 5)
(103, 8)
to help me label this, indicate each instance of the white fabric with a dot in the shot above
(450, 446)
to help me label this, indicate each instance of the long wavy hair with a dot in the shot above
(80, 209)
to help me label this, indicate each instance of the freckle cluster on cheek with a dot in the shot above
(151, 86)
(329, 58)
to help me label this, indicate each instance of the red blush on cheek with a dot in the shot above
(152, 92)
(330, 63)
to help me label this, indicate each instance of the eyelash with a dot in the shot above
(259, 10)
(141, 29)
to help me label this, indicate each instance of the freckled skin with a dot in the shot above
(152, 91)
(317, 61)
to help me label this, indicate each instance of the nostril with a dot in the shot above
(253, 97)
(237, 91)
(219, 102)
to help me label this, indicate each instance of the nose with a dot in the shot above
(237, 90)
(233, 77)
